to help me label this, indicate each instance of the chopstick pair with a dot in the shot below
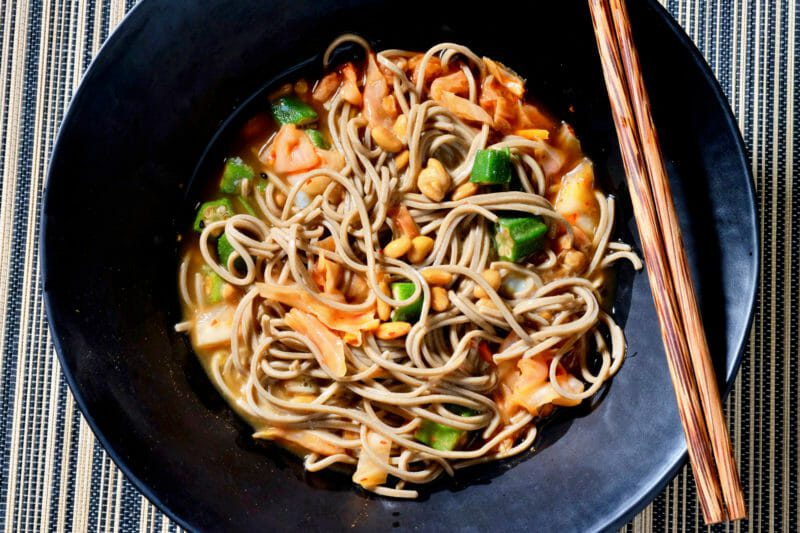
(691, 370)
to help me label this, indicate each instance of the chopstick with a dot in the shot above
(718, 486)
(679, 267)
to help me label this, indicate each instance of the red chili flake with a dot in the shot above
(485, 352)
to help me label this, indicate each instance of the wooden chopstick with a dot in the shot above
(679, 267)
(690, 406)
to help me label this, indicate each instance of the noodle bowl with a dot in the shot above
(365, 297)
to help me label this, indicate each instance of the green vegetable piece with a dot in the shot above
(290, 110)
(517, 238)
(317, 139)
(235, 171)
(460, 410)
(224, 251)
(212, 285)
(213, 211)
(442, 437)
(403, 290)
(492, 167)
(246, 205)
(438, 436)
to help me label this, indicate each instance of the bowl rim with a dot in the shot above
(657, 485)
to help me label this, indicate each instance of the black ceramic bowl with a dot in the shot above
(117, 194)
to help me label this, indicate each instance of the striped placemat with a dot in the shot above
(54, 475)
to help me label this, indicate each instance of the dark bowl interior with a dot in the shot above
(120, 189)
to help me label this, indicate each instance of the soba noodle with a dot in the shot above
(547, 309)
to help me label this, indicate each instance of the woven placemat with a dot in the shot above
(54, 475)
